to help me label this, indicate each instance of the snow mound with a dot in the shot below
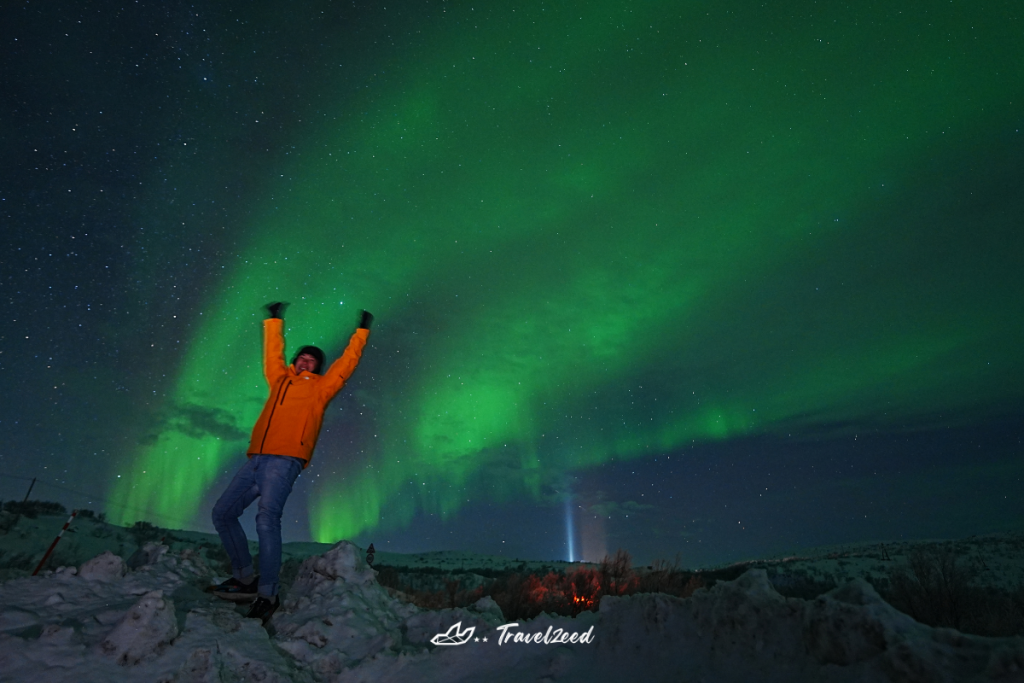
(105, 567)
(744, 630)
(148, 554)
(339, 622)
(343, 561)
(338, 625)
(336, 613)
(147, 628)
(219, 644)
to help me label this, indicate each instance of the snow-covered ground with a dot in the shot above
(101, 621)
(995, 560)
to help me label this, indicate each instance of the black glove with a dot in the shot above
(276, 309)
(366, 320)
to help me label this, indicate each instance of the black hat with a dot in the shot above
(313, 351)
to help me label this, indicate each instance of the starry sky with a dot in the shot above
(693, 279)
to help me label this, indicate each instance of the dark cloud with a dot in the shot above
(198, 421)
(613, 508)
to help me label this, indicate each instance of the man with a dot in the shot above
(281, 445)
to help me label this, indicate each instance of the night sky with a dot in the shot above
(694, 278)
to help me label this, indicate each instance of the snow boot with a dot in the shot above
(235, 590)
(263, 608)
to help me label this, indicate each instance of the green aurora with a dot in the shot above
(607, 230)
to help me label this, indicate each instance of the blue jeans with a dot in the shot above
(270, 478)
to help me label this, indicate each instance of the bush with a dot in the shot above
(569, 594)
(616, 572)
(525, 596)
(388, 577)
(67, 554)
(144, 532)
(932, 587)
(22, 561)
(8, 520)
(938, 588)
(451, 596)
(99, 518)
(217, 557)
(101, 530)
(34, 508)
(86, 513)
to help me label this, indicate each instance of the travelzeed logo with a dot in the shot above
(454, 635)
(457, 635)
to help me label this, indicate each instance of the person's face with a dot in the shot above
(305, 363)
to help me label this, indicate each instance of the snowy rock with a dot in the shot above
(848, 625)
(57, 635)
(147, 628)
(344, 561)
(105, 567)
(148, 554)
(742, 631)
(489, 609)
(339, 626)
(194, 563)
(337, 615)
(1007, 662)
(218, 644)
(200, 667)
(16, 619)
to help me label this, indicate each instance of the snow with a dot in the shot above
(149, 620)
(104, 567)
(146, 629)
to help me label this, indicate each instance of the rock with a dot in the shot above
(344, 561)
(147, 628)
(147, 555)
(490, 610)
(105, 567)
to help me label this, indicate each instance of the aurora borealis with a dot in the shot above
(646, 258)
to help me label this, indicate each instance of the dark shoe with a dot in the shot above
(236, 591)
(263, 609)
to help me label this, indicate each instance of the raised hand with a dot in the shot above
(276, 309)
(366, 320)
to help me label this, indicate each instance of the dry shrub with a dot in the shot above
(525, 596)
(144, 532)
(938, 587)
(514, 595)
(617, 576)
(450, 597)
(932, 587)
(8, 520)
(666, 577)
(33, 508)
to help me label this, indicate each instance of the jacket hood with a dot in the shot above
(313, 351)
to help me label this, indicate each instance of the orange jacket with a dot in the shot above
(291, 418)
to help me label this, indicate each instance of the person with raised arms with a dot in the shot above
(281, 446)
